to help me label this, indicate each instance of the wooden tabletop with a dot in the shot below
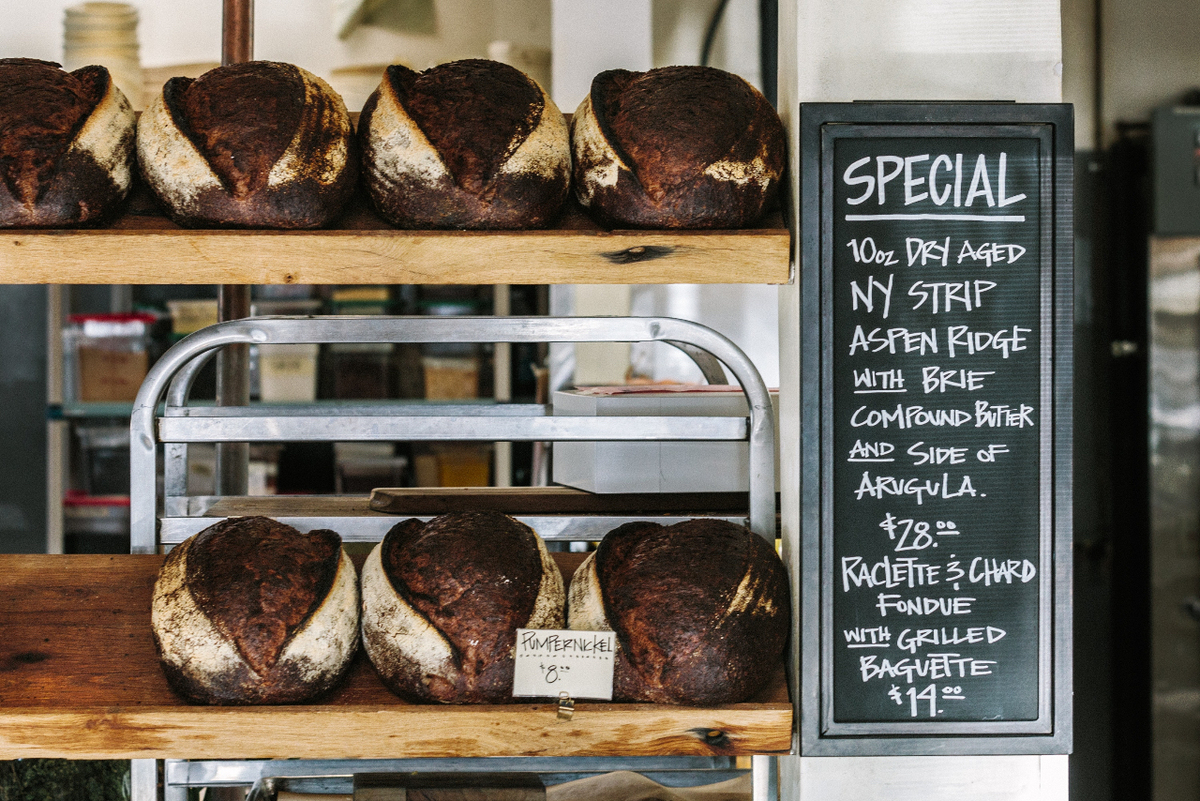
(79, 678)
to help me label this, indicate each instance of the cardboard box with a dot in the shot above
(111, 375)
(448, 378)
(614, 467)
(189, 316)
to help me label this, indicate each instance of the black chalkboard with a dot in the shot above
(937, 310)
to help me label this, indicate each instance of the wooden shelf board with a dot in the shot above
(144, 247)
(79, 678)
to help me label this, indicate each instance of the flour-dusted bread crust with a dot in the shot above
(471, 144)
(700, 609)
(676, 147)
(442, 602)
(256, 145)
(66, 145)
(251, 611)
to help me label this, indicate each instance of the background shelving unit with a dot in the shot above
(93, 688)
(80, 523)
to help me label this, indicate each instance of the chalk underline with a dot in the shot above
(978, 217)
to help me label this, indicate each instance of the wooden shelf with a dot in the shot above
(144, 247)
(79, 678)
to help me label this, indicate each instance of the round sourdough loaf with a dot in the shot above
(259, 144)
(468, 144)
(676, 147)
(66, 144)
(700, 610)
(251, 611)
(442, 602)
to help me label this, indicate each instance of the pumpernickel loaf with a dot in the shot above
(471, 144)
(259, 144)
(700, 609)
(442, 602)
(676, 147)
(251, 611)
(66, 144)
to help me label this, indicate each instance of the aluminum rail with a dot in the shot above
(557, 528)
(175, 468)
(262, 426)
(144, 431)
(217, 773)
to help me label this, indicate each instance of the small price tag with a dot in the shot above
(578, 663)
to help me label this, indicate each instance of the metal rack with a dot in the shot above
(162, 419)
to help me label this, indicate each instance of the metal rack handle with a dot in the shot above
(177, 368)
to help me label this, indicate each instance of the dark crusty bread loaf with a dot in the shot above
(251, 611)
(468, 144)
(676, 147)
(442, 602)
(259, 144)
(700, 610)
(66, 144)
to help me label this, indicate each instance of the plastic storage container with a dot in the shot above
(361, 370)
(104, 459)
(96, 524)
(284, 373)
(287, 373)
(105, 356)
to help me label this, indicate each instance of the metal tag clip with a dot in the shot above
(566, 706)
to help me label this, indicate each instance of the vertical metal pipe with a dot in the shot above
(233, 300)
(233, 389)
(237, 32)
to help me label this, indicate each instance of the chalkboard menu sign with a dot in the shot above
(936, 286)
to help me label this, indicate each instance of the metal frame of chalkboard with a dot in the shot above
(821, 125)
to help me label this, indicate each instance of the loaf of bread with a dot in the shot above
(676, 147)
(442, 602)
(700, 609)
(468, 144)
(254, 145)
(66, 145)
(251, 611)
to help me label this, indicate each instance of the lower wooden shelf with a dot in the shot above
(79, 679)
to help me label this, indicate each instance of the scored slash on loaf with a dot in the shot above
(66, 145)
(701, 610)
(260, 145)
(676, 147)
(471, 144)
(251, 611)
(442, 602)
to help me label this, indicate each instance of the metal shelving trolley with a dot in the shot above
(317, 748)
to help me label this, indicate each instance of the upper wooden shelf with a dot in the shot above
(144, 247)
(79, 679)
